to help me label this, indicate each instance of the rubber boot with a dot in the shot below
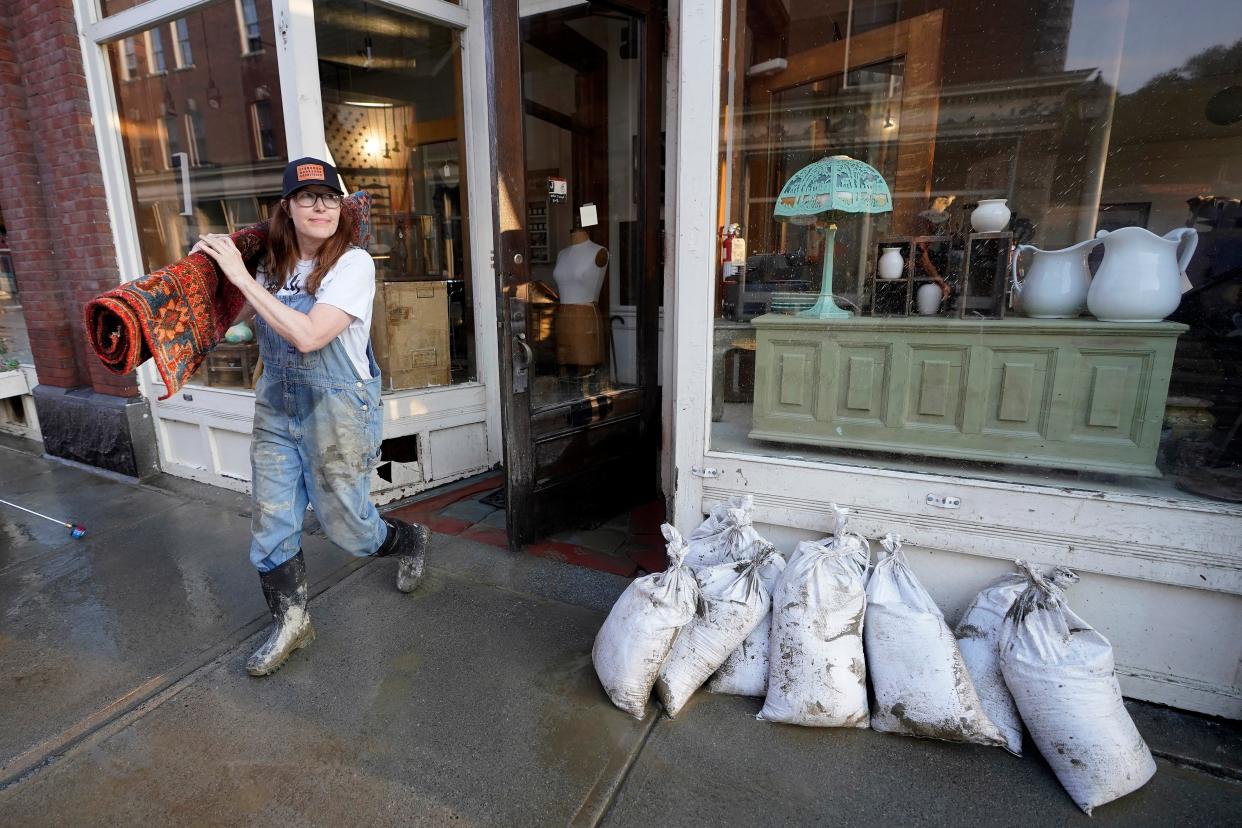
(409, 543)
(285, 590)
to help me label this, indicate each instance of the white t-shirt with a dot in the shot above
(350, 286)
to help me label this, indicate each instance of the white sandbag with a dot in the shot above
(1061, 674)
(920, 682)
(978, 637)
(726, 535)
(817, 675)
(732, 600)
(638, 633)
(745, 671)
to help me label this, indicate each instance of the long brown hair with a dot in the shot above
(282, 249)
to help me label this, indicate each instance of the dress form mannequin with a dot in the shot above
(579, 274)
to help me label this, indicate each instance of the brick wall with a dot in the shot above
(52, 190)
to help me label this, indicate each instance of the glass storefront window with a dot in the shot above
(1003, 131)
(14, 342)
(393, 119)
(194, 165)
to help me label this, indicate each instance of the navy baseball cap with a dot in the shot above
(307, 171)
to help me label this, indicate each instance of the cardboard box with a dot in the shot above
(410, 334)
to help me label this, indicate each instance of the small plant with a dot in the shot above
(7, 364)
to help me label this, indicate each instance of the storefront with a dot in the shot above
(502, 142)
(978, 434)
(211, 99)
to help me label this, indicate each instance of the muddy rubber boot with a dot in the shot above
(285, 590)
(409, 543)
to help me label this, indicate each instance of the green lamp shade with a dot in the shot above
(836, 183)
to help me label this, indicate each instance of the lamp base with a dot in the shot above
(825, 308)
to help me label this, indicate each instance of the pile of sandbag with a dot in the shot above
(978, 636)
(1061, 674)
(638, 633)
(808, 634)
(921, 684)
(817, 674)
(733, 600)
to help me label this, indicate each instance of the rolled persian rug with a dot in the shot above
(178, 313)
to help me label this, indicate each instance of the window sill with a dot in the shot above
(729, 441)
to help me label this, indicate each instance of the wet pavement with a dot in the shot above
(124, 699)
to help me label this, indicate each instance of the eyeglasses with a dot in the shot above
(305, 198)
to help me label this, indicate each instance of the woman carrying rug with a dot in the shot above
(317, 405)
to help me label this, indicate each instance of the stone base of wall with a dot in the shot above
(114, 433)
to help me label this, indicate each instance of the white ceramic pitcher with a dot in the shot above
(1056, 283)
(1139, 279)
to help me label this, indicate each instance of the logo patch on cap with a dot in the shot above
(310, 172)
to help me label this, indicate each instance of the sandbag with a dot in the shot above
(1061, 674)
(726, 535)
(732, 601)
(978, 637)
(745, 671)
(817, 675)
(638, 633)
(921, 684)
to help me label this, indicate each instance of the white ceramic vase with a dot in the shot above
(892, 266)
(928, 298)
(991, 216)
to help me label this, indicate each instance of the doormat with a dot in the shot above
(495, 499)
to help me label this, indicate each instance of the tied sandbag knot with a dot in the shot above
(676, 546)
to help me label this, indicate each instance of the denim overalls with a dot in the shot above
(316, 439)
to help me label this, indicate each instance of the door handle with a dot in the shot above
(522, 364)
(530, 355)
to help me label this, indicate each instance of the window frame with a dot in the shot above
(1184, 542)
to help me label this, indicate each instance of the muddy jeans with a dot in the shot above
(316, 439)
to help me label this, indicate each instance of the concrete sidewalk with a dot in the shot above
(123, 698)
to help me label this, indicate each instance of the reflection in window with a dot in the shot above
(184, 49)
(391, 88)
(264, 129)
(129, 67)
(172, 140)
(192, 121)
(157, 50)
(196, 132)
(251, 41)
(1080, 117)
(14, 341)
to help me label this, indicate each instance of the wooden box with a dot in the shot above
(1073, 394)
(410, 334)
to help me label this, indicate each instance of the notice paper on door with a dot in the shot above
(590, 217)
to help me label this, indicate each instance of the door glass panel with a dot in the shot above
(393, 118)
(204, 136)
(581, 80)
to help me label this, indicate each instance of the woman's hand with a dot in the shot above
(221, 248)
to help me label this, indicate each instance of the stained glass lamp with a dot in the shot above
(837, 184)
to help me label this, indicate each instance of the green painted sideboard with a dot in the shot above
(1062, 393)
